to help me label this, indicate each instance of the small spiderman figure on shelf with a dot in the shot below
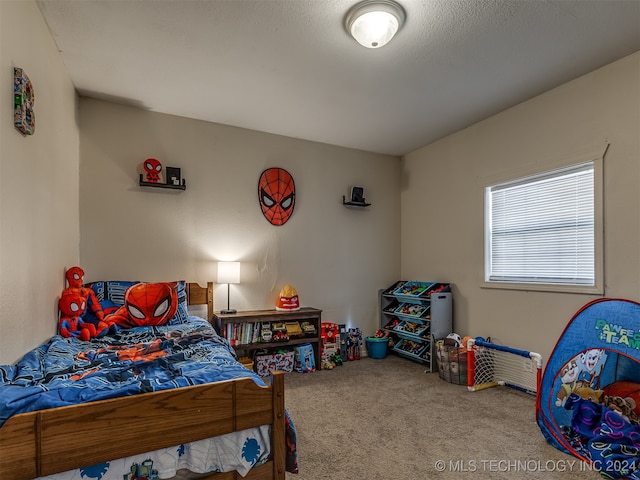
(153, 168)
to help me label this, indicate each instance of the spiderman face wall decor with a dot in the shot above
(277, 195)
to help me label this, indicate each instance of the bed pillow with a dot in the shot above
(183, 312)
(111, 293)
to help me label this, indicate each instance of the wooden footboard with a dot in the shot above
(65, 438)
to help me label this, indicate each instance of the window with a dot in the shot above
(541, 230)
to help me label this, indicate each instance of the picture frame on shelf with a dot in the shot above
(173, 176)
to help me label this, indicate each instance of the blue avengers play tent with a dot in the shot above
(588, 404)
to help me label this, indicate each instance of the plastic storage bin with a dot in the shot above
(377, 347)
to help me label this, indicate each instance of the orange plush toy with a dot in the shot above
(74, 301)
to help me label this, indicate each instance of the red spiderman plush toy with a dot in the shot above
(73, 304)
(147, 304)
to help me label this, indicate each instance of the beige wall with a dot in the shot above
(336, 257)
(442, 201)
(39, 217)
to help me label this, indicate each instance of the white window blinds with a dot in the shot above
(540, 229)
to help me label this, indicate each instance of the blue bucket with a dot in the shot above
(377, 347)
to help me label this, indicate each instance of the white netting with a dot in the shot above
(497, 367)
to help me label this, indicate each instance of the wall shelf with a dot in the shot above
(170, 186)
(354, 204)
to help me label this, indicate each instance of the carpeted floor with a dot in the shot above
(388, 419)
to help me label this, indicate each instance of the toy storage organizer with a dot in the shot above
(415, 314)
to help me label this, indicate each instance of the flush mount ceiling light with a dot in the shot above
(373, 23)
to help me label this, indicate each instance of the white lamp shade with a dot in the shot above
(228, 272)
(373, 23)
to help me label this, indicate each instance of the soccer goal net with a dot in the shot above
(490, 365)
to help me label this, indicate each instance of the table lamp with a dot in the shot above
(228, 272)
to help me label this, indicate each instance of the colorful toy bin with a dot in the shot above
(377, 347)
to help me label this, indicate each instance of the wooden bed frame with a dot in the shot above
(65, 438)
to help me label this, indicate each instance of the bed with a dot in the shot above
(45, 442)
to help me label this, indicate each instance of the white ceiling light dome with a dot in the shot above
(373, 23)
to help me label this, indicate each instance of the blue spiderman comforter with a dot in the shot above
(67, 371)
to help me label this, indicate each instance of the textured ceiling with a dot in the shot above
(288, 67)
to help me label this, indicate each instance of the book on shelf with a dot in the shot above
(256, 333)
(243, 333)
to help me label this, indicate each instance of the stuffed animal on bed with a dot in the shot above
(75, 302)
(72, 306)
(145, 304)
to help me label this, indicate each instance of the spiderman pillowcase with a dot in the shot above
(145, 304)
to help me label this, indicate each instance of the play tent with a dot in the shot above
(588, 404)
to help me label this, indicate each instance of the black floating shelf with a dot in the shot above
(170, 186)
(354, 204)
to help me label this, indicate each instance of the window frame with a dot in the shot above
(597, 158)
